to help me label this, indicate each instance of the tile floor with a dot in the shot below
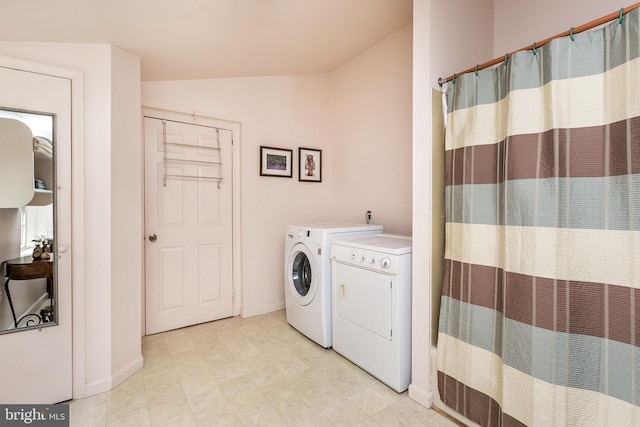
(257, 371)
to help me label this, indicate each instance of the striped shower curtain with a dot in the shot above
(539, 322)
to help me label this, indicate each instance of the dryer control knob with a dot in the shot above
(363, 258)
(385, 262)
(354, 255)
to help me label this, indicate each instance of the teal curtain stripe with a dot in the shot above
(601, 203)
(569, 360)
(559, 59)
(479, 324)
(576, 361)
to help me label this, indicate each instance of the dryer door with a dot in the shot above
(302, 274)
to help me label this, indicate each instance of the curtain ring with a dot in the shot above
(533, 49)
(571, 35)
(621, 11)
(476, 71)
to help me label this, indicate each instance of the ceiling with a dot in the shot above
(194, 39)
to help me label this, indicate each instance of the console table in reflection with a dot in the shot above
(27, 268)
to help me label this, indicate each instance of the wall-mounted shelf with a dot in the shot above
(167, 160)
(43, 170)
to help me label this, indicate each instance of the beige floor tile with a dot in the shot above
(218, 415)
(291, 366)
(254, 363)
(139, 419)
(169, 394)
(120, 407)
(159, 366)
(370, 422)
(242, 349)
(248, 372)
(237, 386)
(249, 404)
(279, 391)
(345, 414)
(308, 379)
(393, 416)
(133, 385)
(227, 371)
(88, 418)
(316, 420)
(267, 375)
(295, 409)
(92, 403)
(198, 383)
(370, 400)
(206, 399)
(220, 356)
(323, 395)
(350, 383)
(266, 418)
(170, 413)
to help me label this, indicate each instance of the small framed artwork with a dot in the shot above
(310, 168)
(276, 162)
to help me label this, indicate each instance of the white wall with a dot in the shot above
(300, 111)
(448, 37)
(519, 24)
(102, 327)
(371, 134)
(286, 112)
(126, 214)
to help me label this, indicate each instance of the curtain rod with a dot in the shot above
(571, 32)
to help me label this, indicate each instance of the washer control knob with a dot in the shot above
(373, 261)
(354, 255)
(363, 258)
(385, 262)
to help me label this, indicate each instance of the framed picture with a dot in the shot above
(276, 162)
(310, 168)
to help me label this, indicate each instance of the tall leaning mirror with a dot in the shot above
(27, 220)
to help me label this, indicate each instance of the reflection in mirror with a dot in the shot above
(27, 232)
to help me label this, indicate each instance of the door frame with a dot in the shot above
(236, 218)
(78, 318)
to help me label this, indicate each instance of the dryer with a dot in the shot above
(371, 279)
(307, 282)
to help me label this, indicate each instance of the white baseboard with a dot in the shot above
(123, 374)
(107, 384)
(421, 396)
(262, 310)
(98, 386)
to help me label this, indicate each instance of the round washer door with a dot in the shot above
(302, 274)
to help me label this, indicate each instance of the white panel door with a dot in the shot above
(188, 222)
(36, 364)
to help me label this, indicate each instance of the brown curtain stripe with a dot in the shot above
(584, 149)
(559, 304)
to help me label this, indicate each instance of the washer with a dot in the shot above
(371, 278)
(307, 266)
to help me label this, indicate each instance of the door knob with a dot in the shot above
(153, 237)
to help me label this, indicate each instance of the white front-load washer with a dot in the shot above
(307, 266)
